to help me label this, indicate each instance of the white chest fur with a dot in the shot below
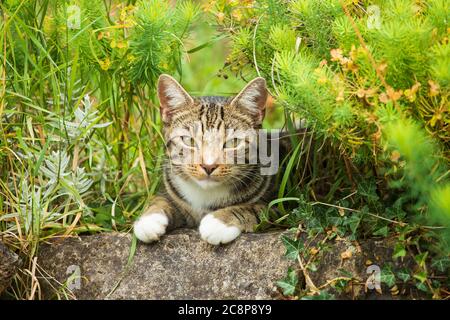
(201, 195)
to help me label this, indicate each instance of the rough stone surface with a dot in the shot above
(182, 266)
(9, 264)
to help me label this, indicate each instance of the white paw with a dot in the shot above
(214, 231)
(150, 227)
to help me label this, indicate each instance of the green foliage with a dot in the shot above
(371, 80)
(314, 20)
(157, 39)
(387, 276)
(322, 295)
(293, 247)
(422, 166)
(440, 55)
(438, 14)
(80, 141)
(80, 147)
(289, 283)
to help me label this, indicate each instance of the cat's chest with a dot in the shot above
(202, 199)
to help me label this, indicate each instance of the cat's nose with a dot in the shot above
(209, 168)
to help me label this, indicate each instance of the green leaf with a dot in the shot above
(41, 157)
(279, 200)
(293, 247)
(387, 277)
(207, 44)
(368, 189)
(441, 264)
(287, 174)
(381, 232)
(422, 286)
(403, 275)
(399, 250)
(421, 276)
(340, 285)
(289, 283)
(421, 258)
(132, 251)
(323, 295)
(353, 222)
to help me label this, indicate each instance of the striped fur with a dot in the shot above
(228, 200)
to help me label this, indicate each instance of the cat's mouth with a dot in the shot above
(208, 182)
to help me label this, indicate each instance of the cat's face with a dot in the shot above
(209, 139)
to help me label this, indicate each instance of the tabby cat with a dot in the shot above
(223, 199)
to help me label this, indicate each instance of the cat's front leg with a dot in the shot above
(156, 219)
(225, 225)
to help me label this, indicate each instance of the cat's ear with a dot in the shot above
(171, 96)
(253, 99)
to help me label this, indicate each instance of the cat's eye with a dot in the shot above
(232, 143)
(188, 141)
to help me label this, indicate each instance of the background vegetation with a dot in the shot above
(80, 142)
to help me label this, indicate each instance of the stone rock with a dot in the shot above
(9, 264)
(180, 266)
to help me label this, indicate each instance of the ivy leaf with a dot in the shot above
(381, 232)
(441, 264)
(353, 222)
(289, 283)
(399, 251)
(421, 258)
(334, 221)
(404, 275)
(323, 295)
(368, 189)
(387, 277)
(340, 285)
(421, 276)
(422, 286)
(293, 247)
(396, 210)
